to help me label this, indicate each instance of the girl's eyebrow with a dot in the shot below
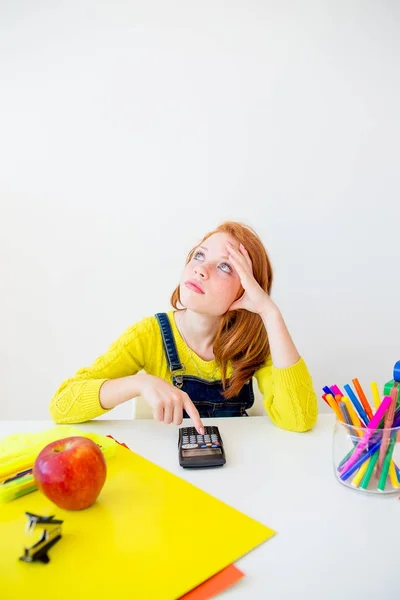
(206, 249)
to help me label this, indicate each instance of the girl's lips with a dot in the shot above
(192, 285)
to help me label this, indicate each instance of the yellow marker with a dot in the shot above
(353, 415)
(360, 473)
(12, 467)
(375, 393)
(393, 476)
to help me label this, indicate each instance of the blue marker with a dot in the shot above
(357, 405)
(327, 390)
(396, 371)
(359, 462)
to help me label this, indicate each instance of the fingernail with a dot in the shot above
(201, 430)
(229, 244)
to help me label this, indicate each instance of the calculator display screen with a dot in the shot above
(201, 452)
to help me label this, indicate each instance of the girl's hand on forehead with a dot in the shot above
(254, 298)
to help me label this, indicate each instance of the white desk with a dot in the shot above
(331, 544)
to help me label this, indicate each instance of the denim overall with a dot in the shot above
(205, 395)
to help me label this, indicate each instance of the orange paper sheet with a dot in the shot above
(215, 585)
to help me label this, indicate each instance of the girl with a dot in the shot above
(199, 360)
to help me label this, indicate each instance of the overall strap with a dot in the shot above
(170, 350)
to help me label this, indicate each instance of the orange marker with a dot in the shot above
(363, 398)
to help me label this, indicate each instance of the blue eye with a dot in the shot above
(198, 255)
(228, 268)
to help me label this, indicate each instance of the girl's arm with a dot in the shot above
(290, 399)
(114, 378)
(81, 398)
(285, 381)
(289, 396)
(283, 351)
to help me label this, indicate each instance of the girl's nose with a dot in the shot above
(201, 271)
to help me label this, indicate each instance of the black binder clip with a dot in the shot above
(49, 537)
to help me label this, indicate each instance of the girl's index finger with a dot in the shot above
(238, 258)
(246, 255)
(241, 267)
(194, 415)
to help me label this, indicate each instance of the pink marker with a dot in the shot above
(369, 430)
(336, 390)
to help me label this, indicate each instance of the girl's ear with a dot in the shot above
(239, 294)
(237, 304)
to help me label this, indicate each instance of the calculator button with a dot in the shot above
(203, 446)
(209, 445)
(189, 446)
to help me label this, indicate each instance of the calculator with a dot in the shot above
(196, 450)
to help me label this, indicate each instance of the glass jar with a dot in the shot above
(367, 461)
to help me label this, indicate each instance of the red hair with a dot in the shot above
(241, 336)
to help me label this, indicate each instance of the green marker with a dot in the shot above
(365, 480)
(388, 388)
(386, 464)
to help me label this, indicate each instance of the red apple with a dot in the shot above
(70, 472)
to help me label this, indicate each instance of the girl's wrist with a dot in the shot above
(269, 310)
(138, 382)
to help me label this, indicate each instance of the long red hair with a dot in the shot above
(241, 336)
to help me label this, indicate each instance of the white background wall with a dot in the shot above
(129, 128)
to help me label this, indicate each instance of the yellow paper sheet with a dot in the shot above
(150, 535)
